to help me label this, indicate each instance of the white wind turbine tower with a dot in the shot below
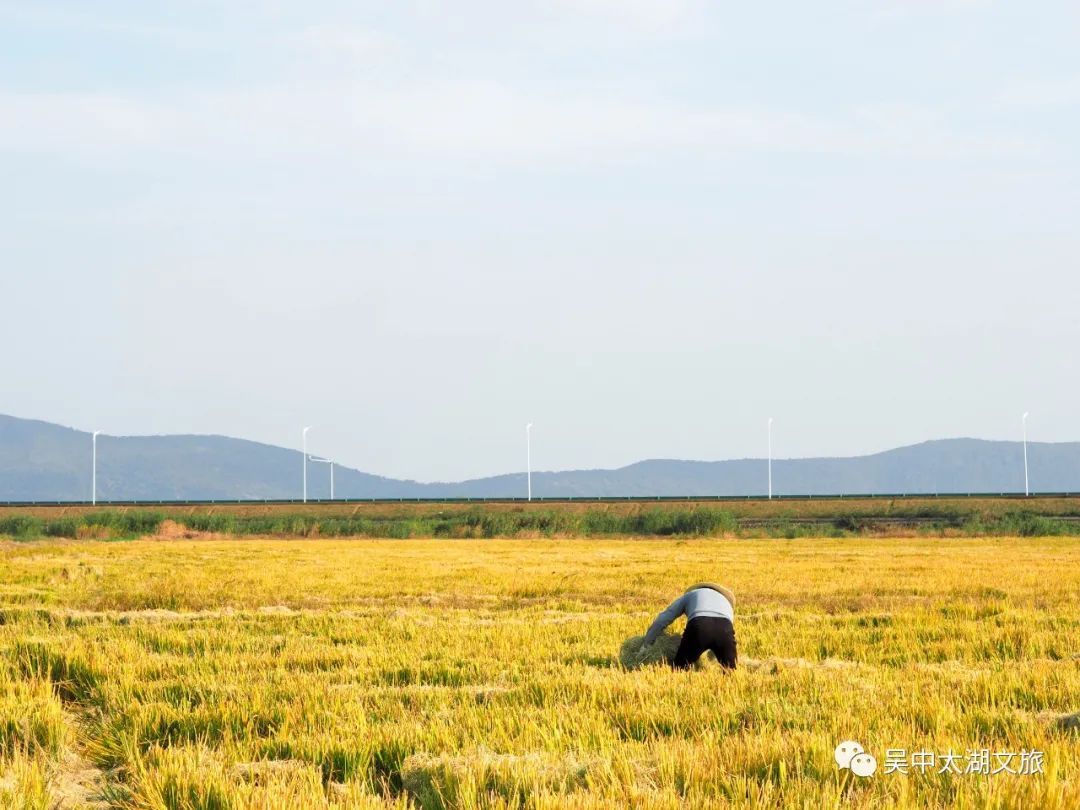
(770, 458)
(93, 469)
(1027, 488)
(528, 459)
(304, 437)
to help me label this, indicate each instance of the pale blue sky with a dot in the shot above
(644, 225)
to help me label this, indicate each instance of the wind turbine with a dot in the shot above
(304, 435)
(1027, 489)
(770, 458)
(93, 473)
(528, 458)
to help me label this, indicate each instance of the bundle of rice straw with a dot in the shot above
(661, 651)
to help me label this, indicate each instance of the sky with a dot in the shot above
(645, 226)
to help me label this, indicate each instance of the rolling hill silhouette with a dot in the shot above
(43, 461)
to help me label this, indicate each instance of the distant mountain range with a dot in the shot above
(41, 461)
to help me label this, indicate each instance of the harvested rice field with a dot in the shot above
(215, 673)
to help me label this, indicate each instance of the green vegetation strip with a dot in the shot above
(483, 523)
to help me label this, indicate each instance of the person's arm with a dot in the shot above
(670, 614)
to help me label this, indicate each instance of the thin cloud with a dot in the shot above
(637, 15)
(1059, 92)
(351, 45)
(53, 18)
(466, 120)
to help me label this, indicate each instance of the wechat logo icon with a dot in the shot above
(851, 755)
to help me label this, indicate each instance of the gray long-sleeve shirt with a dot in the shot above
(698, 602)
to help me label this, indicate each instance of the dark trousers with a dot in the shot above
(707, 633)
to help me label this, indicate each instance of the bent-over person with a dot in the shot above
(710, 625)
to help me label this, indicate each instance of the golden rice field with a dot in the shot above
(214, 673)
